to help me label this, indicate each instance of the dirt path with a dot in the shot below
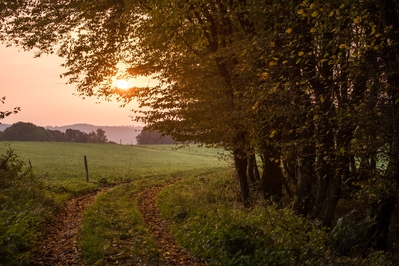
(59, 244)
(172, 253)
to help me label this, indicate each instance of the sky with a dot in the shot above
(34, 85)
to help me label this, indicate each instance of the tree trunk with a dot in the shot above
(332, 196)
(328, 191)
(240, 162)
(305, 175)
(328, 164)
(271, 185)
(380, 213)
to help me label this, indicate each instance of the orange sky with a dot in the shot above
(34, 84)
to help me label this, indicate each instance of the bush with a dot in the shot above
(22, 200)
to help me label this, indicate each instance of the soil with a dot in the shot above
(59, 245)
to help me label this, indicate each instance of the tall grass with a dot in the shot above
(207, 220)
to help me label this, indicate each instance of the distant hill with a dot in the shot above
(118, 134)
(4, 126)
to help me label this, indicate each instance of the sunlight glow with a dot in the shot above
(122, 84)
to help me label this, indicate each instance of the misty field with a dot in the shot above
(62, 164)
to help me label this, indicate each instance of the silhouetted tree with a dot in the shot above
(153, 137)
(57, 135)
(74, 135)
(22, 131)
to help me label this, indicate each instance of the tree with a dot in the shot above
(57, 135)
(22, 131)
(201, 31)
(98, 136)
(338, 73)
(153, 137)
(308, 85)
(74, 135)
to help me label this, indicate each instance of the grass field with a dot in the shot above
(202, 209)
(62, 164)
(60, 174)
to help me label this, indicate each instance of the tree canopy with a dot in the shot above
(23, 131)
(310, 86)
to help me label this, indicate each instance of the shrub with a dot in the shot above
(22, 202)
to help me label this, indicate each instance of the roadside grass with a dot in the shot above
(58, 174)
(206, 218)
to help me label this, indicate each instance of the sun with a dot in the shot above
(122, 84)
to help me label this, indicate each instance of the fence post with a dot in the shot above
(87, 169)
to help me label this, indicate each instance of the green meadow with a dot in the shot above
(202, 208)
(62, 164)
(59, 174)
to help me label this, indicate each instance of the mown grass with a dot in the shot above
(206, 218)
(59, 171)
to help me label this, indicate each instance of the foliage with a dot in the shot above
(98, 136)
(4, 114)
(308, 85)
(23, 205)
(205, 222)
(153, 137)
(22, 131)
(26, 132)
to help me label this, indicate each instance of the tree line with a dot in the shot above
(310, 87)
(23, 131)
(153, 137)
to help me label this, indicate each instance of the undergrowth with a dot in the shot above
(207, 220)
(24, 203)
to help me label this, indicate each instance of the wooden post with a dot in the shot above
(87, 169)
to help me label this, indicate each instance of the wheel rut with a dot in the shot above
(58, 245)
(171, 252)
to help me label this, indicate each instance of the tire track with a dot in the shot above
(59, 243)
(171, 252)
